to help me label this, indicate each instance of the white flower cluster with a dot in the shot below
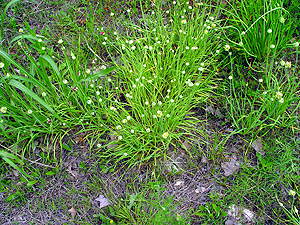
(286, 64)
(3, 109)
(279, 96)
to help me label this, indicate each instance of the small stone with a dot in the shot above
(230, 222)
(203, 189)
(249, 215)
(178, 183)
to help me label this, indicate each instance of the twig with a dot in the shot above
(37, 6)
(92, 50)
(42, 10)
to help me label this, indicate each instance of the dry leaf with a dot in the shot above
(219, 114)
(47, 148)
(230, 167)
(16, 173)
(103, 201)
(204, 159)
(112, 138)
(210, 109)
(237, 213)
(230, 222)
(79, 137)
(258, 146)
(233, 211)
(73, 213)
(186, 145)
(72, 172)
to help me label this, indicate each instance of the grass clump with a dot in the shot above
(166, 68)
(267, 24)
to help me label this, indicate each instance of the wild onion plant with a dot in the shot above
(259, 28)
(165, 69)
(267, 102)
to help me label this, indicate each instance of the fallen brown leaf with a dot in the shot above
(112, 138)
(73, 213)
(72, 172)
(103, 201)
(230, 167)
(186, 145)
(258, 146)
(79, 137)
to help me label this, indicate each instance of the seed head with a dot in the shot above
(282, 19)
(226, 47)
(282, 63)
(3, 109)
(292, 192)
(165, 135)
(288, 64)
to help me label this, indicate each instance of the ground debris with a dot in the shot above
(73, 213)
(230, 167)
(239, 215)
(258, 146)
(103, 201)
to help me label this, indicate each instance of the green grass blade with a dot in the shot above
(52, 63)
(97, 75)
(3, 16)
(25, 36)
(21, 87)
(12, 164)
(9, 59)
(10, 156)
